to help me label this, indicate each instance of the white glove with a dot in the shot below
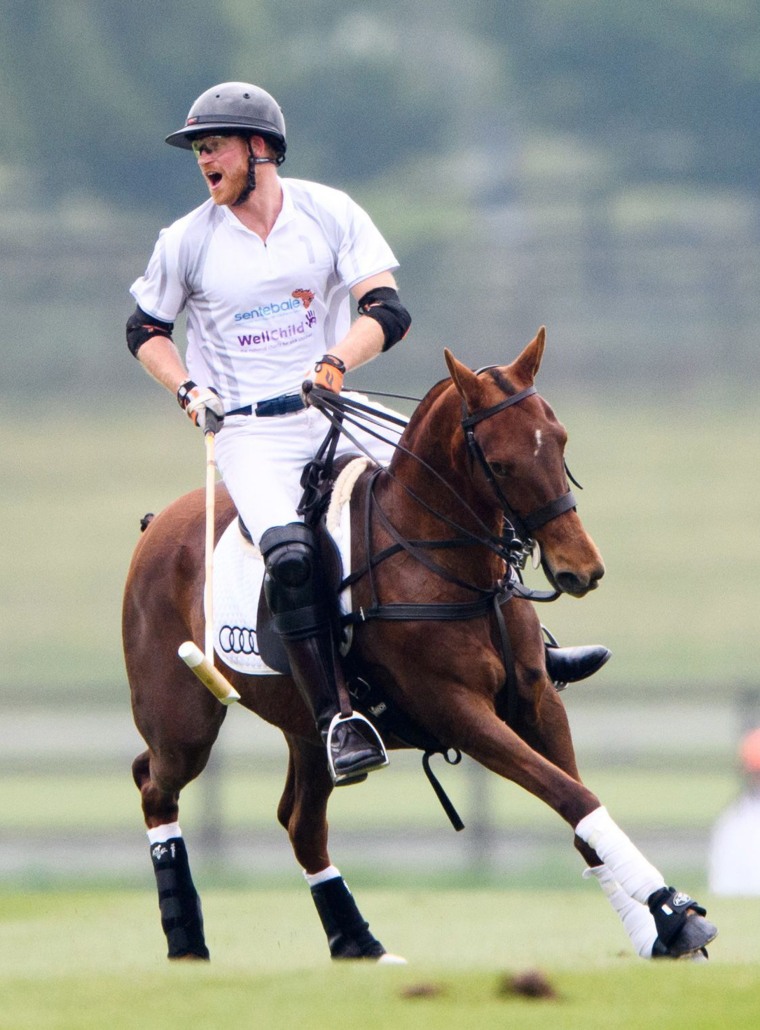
(198, 400)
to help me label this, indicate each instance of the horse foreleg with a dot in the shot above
(679, 923)
(545, 728)
(680, 928)
(178, 900)
(543, 725)
(643, 904)
(471, 725)
(303, 813)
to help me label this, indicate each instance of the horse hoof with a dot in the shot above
(691, 941)
(391, 960)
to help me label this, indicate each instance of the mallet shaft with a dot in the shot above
(206, 672)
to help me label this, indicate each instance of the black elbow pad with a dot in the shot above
(384, 306)
(142, 327)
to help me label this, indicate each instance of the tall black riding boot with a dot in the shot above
(571, 664)
(297, 599)
(353, 746)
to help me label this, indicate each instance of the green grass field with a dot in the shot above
(86, 960)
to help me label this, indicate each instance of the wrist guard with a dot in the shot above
(329, 373)
(184, 391)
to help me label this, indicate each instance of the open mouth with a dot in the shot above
(214, 178)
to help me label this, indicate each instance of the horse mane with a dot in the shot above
(498, 376)
(420, 412)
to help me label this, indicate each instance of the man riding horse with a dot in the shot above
(265, 269)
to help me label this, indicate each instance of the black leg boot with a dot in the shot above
(297, 599)
(179, 904)
(348, 933)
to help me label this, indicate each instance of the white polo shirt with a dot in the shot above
(259, 314)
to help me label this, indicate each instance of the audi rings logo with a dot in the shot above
(238, 640)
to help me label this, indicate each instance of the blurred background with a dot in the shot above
(592, 167)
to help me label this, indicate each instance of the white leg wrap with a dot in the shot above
(633, 872)
(636, 918)
(329, 873)
(160, 834)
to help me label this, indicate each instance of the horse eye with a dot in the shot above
(499, 469)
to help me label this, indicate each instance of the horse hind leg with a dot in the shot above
(178, 900)
(303, 813)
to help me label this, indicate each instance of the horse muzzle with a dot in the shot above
(576, 582)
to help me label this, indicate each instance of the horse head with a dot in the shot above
(518, 446)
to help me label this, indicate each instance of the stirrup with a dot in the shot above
(373, 741)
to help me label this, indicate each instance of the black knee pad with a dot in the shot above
(292, 580)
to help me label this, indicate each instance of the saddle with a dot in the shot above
(332, 527)
(243, 634)
(247, 641)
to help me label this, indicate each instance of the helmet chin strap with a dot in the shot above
(250, 184)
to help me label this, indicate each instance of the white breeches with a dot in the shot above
(261, 460)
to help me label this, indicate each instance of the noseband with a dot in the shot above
(523, 525)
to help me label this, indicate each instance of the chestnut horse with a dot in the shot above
(444, 633)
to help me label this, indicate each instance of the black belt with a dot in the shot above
(283, 405)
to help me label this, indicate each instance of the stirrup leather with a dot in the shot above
(373, 740)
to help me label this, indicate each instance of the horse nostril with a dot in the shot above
(570, 583)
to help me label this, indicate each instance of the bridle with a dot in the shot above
(523, 525)
(513, 545)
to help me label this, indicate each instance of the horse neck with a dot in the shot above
(434, 440)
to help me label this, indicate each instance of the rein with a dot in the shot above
(509, 547)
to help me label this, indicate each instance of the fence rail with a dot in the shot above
(77, 753)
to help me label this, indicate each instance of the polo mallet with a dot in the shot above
(198, 662)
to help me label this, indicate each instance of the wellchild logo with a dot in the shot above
(277, 335)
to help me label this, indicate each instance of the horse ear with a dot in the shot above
(529, 362)
(468, 385)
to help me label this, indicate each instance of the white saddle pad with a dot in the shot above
(239, 573)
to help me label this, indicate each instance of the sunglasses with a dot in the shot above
(209, 144)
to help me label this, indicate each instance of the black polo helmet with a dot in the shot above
(233, 107)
